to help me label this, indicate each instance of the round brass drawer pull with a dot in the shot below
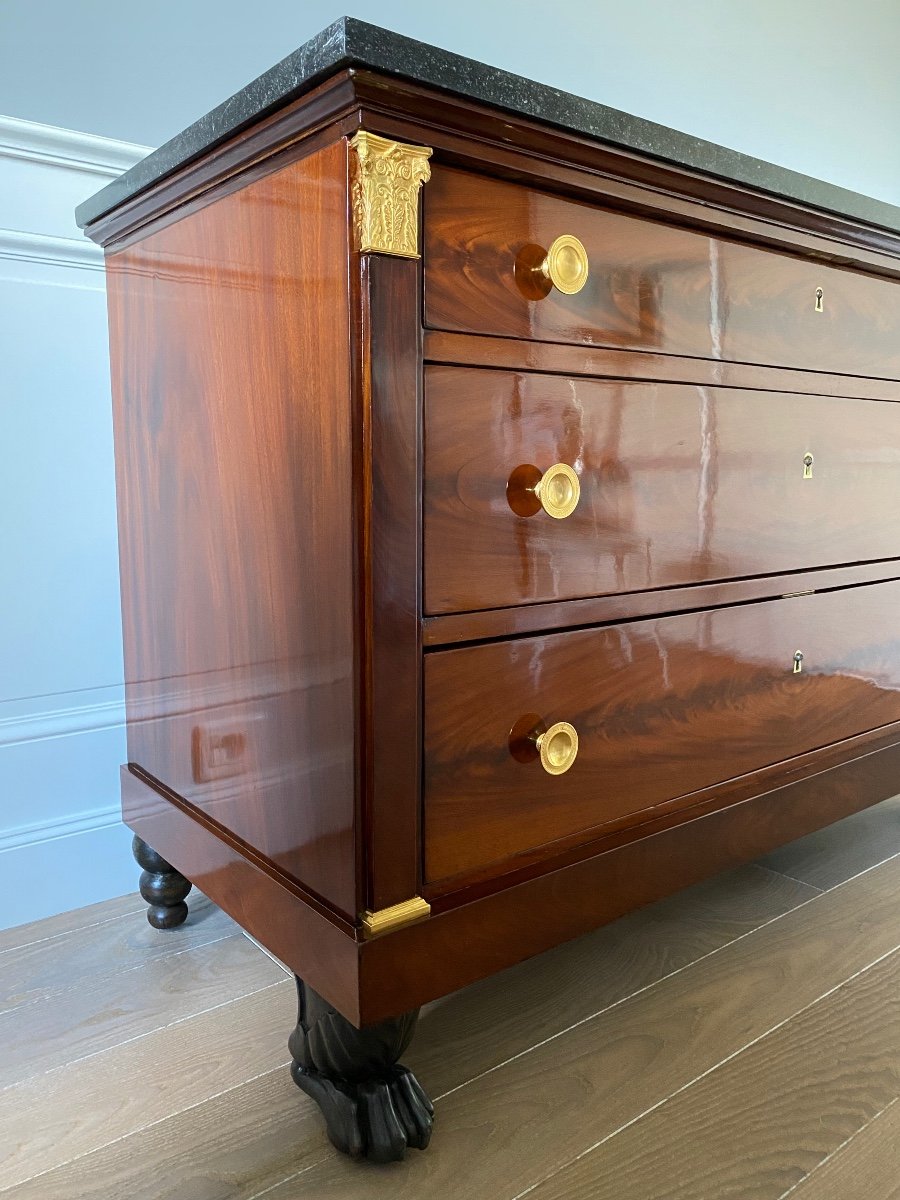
(566, 265)
(558, 747)
(558, 490)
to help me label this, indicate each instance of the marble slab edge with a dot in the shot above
(349, 42)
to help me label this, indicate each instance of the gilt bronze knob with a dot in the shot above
(566, 265)
(556, 491)
(558, 747)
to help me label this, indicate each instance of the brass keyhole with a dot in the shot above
(798, 662)
(808, 461)
(820, 299)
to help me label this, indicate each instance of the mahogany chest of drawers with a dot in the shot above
(509, 528)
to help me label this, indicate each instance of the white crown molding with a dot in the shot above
(49, 250)
(67, 148)
(46, 831)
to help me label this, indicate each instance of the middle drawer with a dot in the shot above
(668, 484)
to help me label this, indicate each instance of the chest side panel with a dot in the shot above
(231, 382)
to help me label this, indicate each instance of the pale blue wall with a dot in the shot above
(61, 694)
(811, 84)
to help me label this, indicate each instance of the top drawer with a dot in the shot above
(650, 287)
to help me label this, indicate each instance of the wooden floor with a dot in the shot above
(741, 1039)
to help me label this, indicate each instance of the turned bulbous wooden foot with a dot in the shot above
(162, 887)
(373, 1107)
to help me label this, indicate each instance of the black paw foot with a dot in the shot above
(376, 1119)
(162, 887)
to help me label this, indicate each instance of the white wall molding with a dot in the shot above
(48, 250)
(214, 693)
(47, 831)
(58, 147)
(62, 722)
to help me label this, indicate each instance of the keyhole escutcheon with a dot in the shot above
(820, 299)
(808, 461)
(798, 662)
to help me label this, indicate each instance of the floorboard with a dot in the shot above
(837, 852)
(477, 1028)
(103, 1098)
(67, 922)
(867, 1164)
(97, 1015)
(100, 950)
(754, 1127)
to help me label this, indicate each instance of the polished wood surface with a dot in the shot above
(491, 931)
(271, 909)
(490, 624)
(480, 930)
(234, 446)
(663, 708)
(579, 847)
(652, 287)
(389, 383)
(517, 354)
(679, 485)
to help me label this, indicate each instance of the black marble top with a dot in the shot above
(349, 42)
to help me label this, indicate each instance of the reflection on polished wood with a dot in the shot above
(512, 354)
(651, 286)
(663, 708)
(678, 485)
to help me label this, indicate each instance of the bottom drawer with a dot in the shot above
(660, 708)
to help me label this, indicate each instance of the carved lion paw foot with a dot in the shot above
(376, 1119)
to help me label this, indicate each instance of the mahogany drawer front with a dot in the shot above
(661, 707)
(650, 286)
(678, 484)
